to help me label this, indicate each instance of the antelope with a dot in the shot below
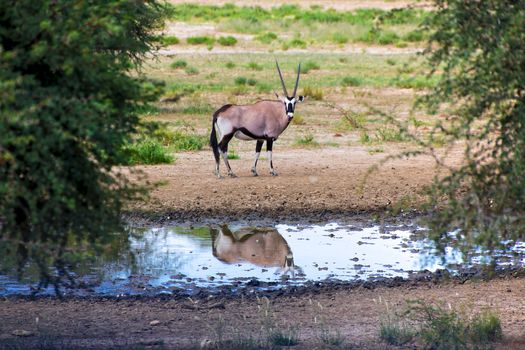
(261, 121)
(264, 247)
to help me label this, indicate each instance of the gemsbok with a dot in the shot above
(264, 247)
(261, 121)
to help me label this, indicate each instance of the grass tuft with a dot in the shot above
(200, 40)
(315, 94)
(169, 40)
(266, 38)
(306, 140)
(352, 81)
(254, 66)
(179, 64)
(308, 66)
(147, 151)
(227, 41)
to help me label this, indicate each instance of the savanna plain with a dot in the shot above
(342, 158)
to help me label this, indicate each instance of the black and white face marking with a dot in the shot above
(289, 104)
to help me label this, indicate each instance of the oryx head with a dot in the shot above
(289, 101)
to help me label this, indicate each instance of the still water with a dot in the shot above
(169, 259)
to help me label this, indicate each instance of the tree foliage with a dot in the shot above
(478, 48)
(70, 93)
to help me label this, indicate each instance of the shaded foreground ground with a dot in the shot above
(181, 323)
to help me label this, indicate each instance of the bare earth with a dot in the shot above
(313, 184)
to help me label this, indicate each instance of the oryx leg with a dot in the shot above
(258, 148)
(269, 146)
(223, 149)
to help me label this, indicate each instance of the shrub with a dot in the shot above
(230, 65)
(251, 82)
(179, 64)
(227, 41)
(69, 103)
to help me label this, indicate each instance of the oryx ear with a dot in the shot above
(301, 98)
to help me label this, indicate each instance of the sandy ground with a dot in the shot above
(181, 323)
(313, 185)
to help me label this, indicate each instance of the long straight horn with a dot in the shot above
(297, 81)
(282, 80)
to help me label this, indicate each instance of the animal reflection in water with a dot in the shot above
(259, 246)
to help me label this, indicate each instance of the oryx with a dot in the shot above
(262, 121)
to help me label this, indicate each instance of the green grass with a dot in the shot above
(340, 38)
(191, 70)
(233, 155)
(306, 140)
(179, 64)
(255, 66)
(188, 142)
(310, 25)
(296, 43)
(440, 328)
(147, 151)
(204, 13)
(227, 41)
(169, 40)
(266, 38)
(200, 40)
(209, 74)
(308, 66)
(352, 81)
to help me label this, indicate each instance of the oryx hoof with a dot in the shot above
(273, 173)
(254, 172)
(231, 174)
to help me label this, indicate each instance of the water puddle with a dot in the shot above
(174, 259)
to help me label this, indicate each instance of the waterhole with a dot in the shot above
(174, 259)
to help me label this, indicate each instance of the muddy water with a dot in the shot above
(174, 259)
